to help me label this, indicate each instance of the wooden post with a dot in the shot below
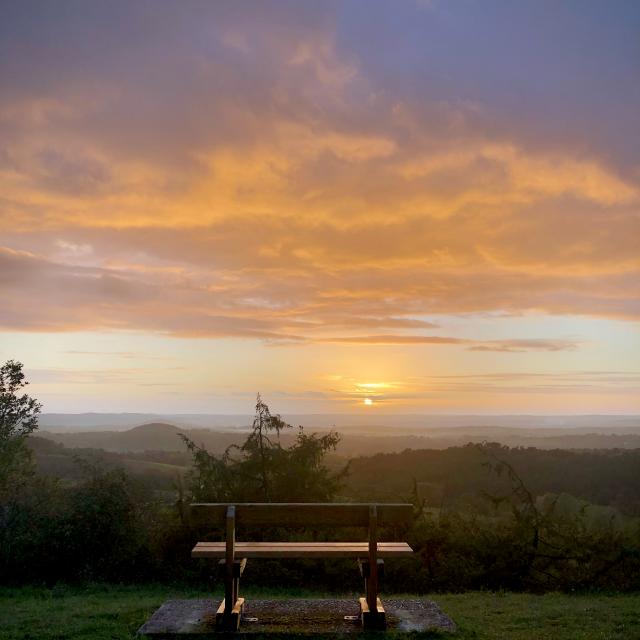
(372, 582)
(229, 600)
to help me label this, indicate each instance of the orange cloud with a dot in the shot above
(42, 295)
(299, 202)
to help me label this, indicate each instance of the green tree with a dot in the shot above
(262, 470)
(18, 418)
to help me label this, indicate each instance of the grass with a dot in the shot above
(552, 616)
(101, 612)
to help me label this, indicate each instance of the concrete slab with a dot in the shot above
(191, 619)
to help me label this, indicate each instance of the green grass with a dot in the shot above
(553, 616)
(103, 612)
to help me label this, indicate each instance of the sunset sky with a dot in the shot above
(433, 205)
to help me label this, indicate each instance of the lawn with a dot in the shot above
(103, 612)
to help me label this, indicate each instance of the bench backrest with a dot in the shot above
(280, 514)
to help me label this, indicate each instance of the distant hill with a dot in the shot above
(157, 436)
(122, 421)
(367, 421)
(154, 436)
(154, 430)
(159, 469)
(162, 436)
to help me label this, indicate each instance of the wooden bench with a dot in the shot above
(233, 555)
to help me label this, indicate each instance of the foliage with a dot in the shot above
(262, 470)
(18, 418)
(452, 477)
(105, 527)
(18, 413)
(108, 526)
(513, 540)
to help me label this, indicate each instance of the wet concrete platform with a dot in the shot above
(196, 618)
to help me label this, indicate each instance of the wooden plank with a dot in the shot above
(372, 580)
(361, 546)
(301, 514)
(302, 550)
(318, 546)
(328, 545)
(307, 543)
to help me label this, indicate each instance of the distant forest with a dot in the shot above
(445, 478)
(602, 477)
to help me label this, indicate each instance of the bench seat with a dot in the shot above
(302, 550)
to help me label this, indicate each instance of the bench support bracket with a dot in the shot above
(372, 620)
(229, 621)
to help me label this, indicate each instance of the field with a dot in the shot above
(103, 612)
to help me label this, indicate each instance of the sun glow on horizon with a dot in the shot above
(368, 401)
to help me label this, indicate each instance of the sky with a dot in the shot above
(401, 206)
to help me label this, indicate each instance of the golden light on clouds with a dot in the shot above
(277, 189)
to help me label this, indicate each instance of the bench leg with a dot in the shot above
(372, 617)
(230, 609)
(372, 620)
(229, 621)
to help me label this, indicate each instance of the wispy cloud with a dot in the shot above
(417, 390)
(40, 295)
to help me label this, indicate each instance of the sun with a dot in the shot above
(368, 401)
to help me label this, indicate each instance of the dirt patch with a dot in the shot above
(196, 618)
